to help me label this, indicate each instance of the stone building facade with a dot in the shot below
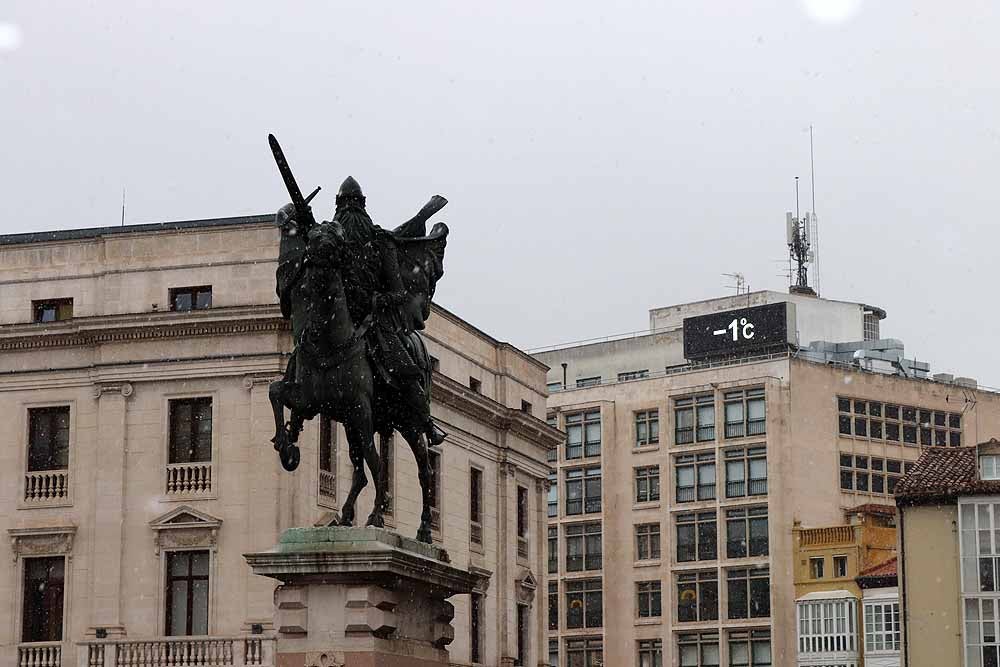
(674, 499)
(136, 468)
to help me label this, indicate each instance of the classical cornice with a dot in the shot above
(456, 395)
(105, 329)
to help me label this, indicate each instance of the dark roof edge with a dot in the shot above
(95, 232)
(881, 581)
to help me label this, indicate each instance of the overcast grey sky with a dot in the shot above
(600, 158)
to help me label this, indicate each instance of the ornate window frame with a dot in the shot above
(186, 529)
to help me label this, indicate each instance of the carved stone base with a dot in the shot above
(361, 597)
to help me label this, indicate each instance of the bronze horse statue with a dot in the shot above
(332, 375)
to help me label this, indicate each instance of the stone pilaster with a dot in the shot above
(110, 482)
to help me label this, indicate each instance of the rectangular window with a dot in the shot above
(882, 626)
(191, 430)
(191, 298)
(749, 591)
(827, 626)
(840, 566)
(878, 421)
(583, 434)
(48, 438)
(588, 382)
(475, 627)
(697, 596)
(745, 413)
(816, 567)
(650, 653)
(552, 500)
(648, 599)
(647, 541)
(553, 653)
(869, 474)
(746, 471)
(647, 484)
(434, 458)
(750, 649)
(522, 635)
(522, 522)
(476, 506)
(584, 604)
(52, 310)
(42, 604)
(746, 532)
(187, 593)
(633, 375)
(553, 605)
(694, 419)
(583, 547)
(522, 512)
(587, 652)
(327, 459)
(647, 428)
(695, 477)
(699, 649)
(989, 466)
(552, 454)
(553, 549)
(583, 491)
(696, 537)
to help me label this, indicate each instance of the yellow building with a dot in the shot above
(831, 565)
(949, 552)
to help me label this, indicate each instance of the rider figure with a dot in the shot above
(375, 290)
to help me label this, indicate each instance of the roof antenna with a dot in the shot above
(123, 206)
(813, 222)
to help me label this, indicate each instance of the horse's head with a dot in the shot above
(326, 244)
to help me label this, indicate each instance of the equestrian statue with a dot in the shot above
(357, 295)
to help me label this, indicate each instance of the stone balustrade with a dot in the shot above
(327, 484)
(812, 537)
(189, 478)
(40, 654)
(239, 651)
(45, 486)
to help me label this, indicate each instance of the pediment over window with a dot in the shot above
(42, 541)
(526, 587)
(185, 527)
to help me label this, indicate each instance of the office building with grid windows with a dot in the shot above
(688, 465)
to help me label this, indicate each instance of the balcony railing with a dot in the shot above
(46, 486)
(327, 484)
(40, 654)
(829, 535)
(189, 478)
(758, 487)
(242, 651)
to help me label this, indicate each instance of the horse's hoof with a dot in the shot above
(290, 456)
(424, 535)
(346, 521)
(376, 522)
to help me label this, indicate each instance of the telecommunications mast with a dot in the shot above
(799, 255)
(803, 238)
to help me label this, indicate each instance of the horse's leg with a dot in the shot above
(360, 429)
(359, 481)
(384, 458)
(276, 394)
(418, 444)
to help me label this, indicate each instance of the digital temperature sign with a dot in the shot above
(739, 331)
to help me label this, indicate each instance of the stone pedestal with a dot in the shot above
(361, 597)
